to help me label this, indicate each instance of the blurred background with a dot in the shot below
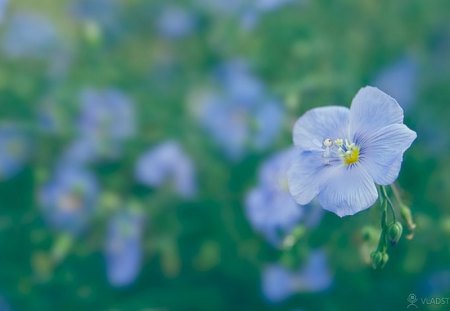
(143, 147)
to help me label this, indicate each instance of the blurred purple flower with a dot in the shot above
(270, 207)
(279, 283)
(400, 81)
(82, 151)
(107, 120)
(240, 116)
(268, 5)
(167, 163)
(175, 22)
(31, 35)
(3, 6)
(246, 12)
(4, 306)
(123, 248)
(101, 12)
(69, 199)
(436, 284)
(14, 150)
(50, 117)
(345, 152)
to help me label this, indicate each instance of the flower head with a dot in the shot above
(3, 6)
(175, 22)
(69, 199)
(123, 249)
(107, 120)
(30, 35)
(270, 207)
(167, 163)
(400, 81)
(345, 152)
(239, 116)
(102, 13)
(279, 282)
(14, 150)
(4, 305)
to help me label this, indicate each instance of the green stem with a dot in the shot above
(396, 192)
(391, 206)
(382, 242)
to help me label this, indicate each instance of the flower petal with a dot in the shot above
(372, 110)
(317, 124)
(348, 191)
(382, 152)
(306, 175)
(315, 275)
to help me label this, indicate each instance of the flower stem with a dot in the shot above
(391, 206)
(396, 193)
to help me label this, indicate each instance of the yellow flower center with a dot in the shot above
(351, 156)
(342, 149)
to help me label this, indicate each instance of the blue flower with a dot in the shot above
(345, 152)
(280, 283)
(270, 207)
(436, 284)
(3, 6)
(82, 151)
(69, 199)
(400, 81)
(30, 35)
(123, 250)
(104, 13)
(246, 12)
(175, 22)
(167, 163)
(239, 116)
(107, 120)
(4, 306)
(268, 5)
(14, 150)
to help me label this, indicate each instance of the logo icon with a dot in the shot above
(412, 299)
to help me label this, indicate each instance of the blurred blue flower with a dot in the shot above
(167, 163)
(30, 35)
(104, 13)
(346, 151)
(107, 120)
(82, 151)
(123, 248)
(241, 115)
(3, 6)
(51, 118)
(246, 13)
(175, 22)
(14, 150)
(279, 282)
(400, 81)
(267, 5)
(436, 284)
(270, 207)
(69, 199)
(4, 306)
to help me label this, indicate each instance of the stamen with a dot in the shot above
(327, 142)
(342, 149)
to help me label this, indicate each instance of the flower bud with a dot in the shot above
(395, 232)
(407, 217)
(385, 259)
(379, 259)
